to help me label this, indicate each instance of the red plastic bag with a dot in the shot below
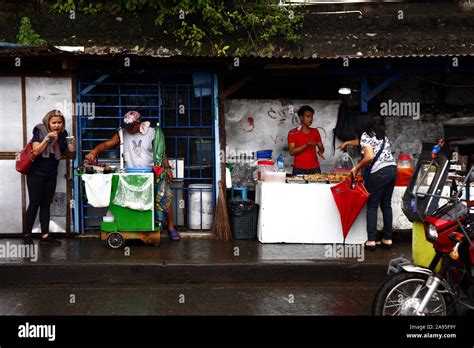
(25, 158)
(157, 170)
(350, 197)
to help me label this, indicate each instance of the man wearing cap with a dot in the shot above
(137, 152)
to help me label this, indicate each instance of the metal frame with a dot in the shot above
(395, 73)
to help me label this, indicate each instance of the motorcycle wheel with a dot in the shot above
(401, 295)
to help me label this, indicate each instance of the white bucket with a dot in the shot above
(196, 191)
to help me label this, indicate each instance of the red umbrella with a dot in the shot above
(350, 197)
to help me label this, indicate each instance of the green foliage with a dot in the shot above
(131, 5)
(92, 9)
(66, 6)
(63, 6)
(27, 35)
(234, 27)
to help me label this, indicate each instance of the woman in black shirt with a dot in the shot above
(49, 142)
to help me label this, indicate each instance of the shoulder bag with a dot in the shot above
(25, 158)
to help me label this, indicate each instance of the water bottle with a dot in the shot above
(412, 204)
(280, 163)
(435, 151)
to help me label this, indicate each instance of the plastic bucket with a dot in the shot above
(263, 167)
(263, 154)
(404, 175)
(201, 210)
(275, 177)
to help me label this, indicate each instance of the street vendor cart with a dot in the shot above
(129, 197)
(135, 197)
(130, 223)
(304, 211)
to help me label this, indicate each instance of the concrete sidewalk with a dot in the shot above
(195, 260)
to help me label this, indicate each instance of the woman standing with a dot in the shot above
(49, 142)
(380, 180)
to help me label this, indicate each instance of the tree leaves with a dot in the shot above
(27, 35)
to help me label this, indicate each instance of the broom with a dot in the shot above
(221, 228)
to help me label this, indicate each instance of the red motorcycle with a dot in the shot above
(421, 291)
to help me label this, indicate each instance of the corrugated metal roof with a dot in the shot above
(375, 34)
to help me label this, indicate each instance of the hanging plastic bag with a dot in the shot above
(159, 149)
(163, 195)
(135, 192)
(344, 161)
(98, 188)
(350, 123)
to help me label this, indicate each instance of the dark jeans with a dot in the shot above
(300, 171)
(40, 191)
(380, 185)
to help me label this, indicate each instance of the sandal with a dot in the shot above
(383, 245)
(370, 247)
(174, 235)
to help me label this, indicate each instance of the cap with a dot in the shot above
(131, 117)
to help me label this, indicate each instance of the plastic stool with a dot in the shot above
(242, 189)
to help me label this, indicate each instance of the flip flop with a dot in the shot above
(174, 235)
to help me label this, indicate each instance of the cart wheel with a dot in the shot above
(115, 240)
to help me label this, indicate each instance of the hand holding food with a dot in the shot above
(342, 147)
(53, 136)
(90, 156)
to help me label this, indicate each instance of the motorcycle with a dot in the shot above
(438, 289)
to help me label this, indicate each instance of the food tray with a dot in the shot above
(321, 178)
(295, 181)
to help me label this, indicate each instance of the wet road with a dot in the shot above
(189, 299)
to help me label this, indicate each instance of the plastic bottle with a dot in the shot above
(404, 170)
(412, 204)
(435, 151)
(280, 163)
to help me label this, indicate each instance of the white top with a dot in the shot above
(138, 149)
(385, 159)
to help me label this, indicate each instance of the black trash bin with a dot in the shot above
(243, 218)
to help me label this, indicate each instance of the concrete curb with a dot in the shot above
(41, 274)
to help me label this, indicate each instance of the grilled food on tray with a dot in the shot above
(325, 177)
(315, 177)
(296, 180)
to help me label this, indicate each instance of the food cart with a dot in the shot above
(303, 210)
(131, 209)
(130, 223)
